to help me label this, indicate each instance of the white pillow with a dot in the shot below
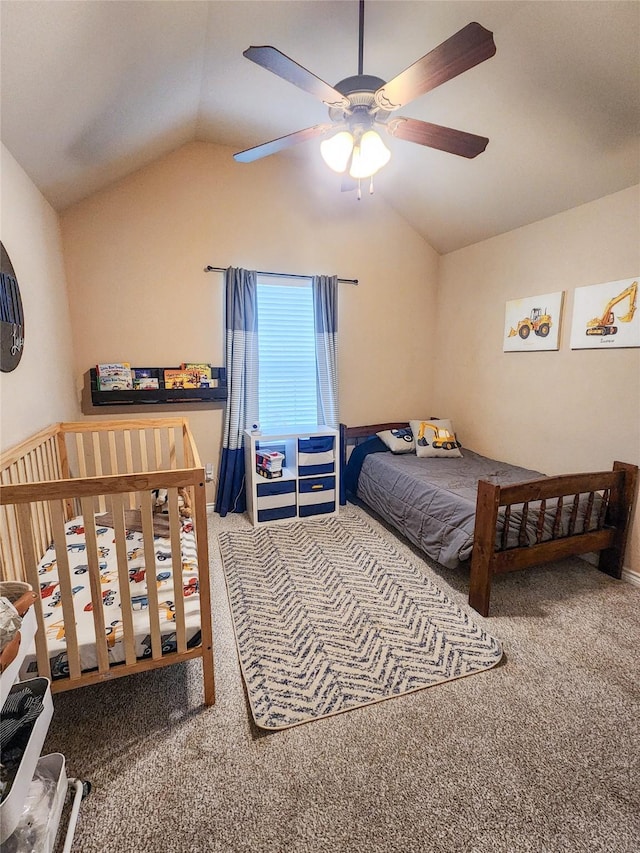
(435, 437)
(398, 440)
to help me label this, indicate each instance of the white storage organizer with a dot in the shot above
(306, 485)
(14, 816)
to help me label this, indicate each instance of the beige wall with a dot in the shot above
(557, 412)
(40, 390)
(135, 255)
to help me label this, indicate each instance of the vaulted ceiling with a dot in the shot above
(91, 91)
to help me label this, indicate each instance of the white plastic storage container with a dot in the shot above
(11, 806)
(54, 764)
(37, 827)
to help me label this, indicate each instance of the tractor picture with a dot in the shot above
(56, 598)
(46, 589)
(136, 575)
(405, 434)
(442, 439)
(538, 322)
(605, 324)
(108, 598)
(80, 570)
(60, 666)
(139, 602)
(46, 567)
(169, 644)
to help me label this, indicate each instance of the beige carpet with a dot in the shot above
(539, 755)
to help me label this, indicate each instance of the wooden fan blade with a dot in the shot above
(282, 142)
(276, 62)
(436, 136)
(468, 47)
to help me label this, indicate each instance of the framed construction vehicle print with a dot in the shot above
(605, 316)
(533, 323)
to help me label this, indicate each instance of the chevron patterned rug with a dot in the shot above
(329, 617)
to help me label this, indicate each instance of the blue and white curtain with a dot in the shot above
(325, 303)
(242, 385)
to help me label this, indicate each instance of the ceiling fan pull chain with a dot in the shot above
(371, 185)
(359, 190)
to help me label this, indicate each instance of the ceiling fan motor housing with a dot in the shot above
(363, 110)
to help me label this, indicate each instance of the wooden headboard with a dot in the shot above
(354, 433)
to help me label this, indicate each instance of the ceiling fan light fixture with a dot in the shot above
(369, 156)
(336, 151)
(361, 102)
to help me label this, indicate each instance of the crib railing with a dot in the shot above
(84, 470)
(80, 450)
(117, 494)
(40, 458)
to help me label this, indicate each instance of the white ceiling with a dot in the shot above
(92, 90)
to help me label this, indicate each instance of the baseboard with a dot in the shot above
(627, 574)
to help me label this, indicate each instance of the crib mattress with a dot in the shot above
(163, 574)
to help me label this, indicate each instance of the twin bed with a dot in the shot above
(499, 517)
(124, 585)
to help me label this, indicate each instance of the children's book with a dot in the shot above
(179, 379)
(114, 376)
(201, 373)
(145, 383)
(145, 378)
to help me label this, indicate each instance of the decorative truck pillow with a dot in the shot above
(398, 440)
(435, 438)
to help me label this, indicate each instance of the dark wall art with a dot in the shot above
(11, 316)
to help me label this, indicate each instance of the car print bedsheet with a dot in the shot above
(138, 579)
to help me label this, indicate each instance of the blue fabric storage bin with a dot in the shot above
(316, 509)
(316, 484)
(276, 499)
(316, 455)
(277, 512)
(316, 495)
(276, 487)
(316, 444)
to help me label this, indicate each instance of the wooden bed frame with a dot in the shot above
(617, 489)
(88, 468)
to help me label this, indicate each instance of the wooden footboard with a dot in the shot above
(609, 497)
(571, 515)
(105, 473)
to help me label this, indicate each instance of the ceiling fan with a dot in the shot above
(361, 105)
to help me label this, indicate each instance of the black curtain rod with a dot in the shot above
(281, 274)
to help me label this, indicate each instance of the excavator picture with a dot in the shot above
(442, 439)
(537, 322)
(605, 325)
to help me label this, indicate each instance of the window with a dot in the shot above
(286, 354)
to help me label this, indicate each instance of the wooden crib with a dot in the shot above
(99, 478)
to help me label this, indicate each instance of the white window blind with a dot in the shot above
(286, 354)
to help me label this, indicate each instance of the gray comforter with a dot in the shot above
(432, 501)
